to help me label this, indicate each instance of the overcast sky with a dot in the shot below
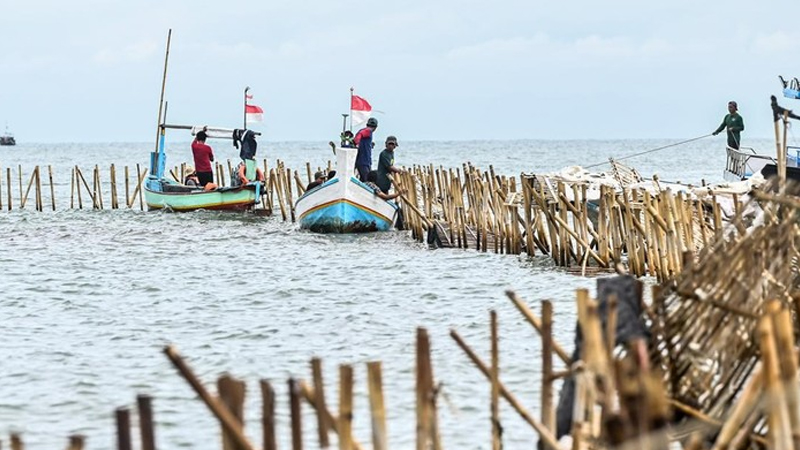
(90, 71)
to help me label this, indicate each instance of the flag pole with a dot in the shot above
(351, 109)
(163, 86)
(245, 106)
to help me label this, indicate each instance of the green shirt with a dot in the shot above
(735, 124)
(385, 161)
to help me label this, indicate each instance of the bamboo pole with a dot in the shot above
(319, 403)
(297, 418)
(744, 407)
(345, 407)
(222, 413)
(127, 188)
(139, 177)
(309, 395)
(784, 340)
(497, 430)
(778, 415)
(24, 199)
(377, 407)
(76, 442)
(231, 395)
(547, 411)
(39, 204)
(19, 179)
(8, 187)
(268, 416)
(544, 433)
(52, 189)
(146, 430)
(530, 316)
(113, 176)
(123, 429)
(16, 442)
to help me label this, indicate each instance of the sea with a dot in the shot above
(89, 299)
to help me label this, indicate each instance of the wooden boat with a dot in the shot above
(745, 162)
(344, 204)
(161, 192)
(7, 138)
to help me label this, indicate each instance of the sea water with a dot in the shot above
(89, 299)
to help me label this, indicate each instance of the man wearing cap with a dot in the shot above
(735, 124)
(319, 178)
(386, 164)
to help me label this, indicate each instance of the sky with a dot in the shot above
(91, 70)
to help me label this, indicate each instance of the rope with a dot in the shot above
(651, 151)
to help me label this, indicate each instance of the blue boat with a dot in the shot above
(344, 204)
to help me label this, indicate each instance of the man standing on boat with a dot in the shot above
(735, 124)
(386, 164)
(363, 140)
(203, 155)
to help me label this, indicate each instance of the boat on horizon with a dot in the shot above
(7, 138)
(344, 204)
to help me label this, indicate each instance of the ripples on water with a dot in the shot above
(89, 299)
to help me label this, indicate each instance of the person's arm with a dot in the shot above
(380, 194)
(721, 126)
(210, 154)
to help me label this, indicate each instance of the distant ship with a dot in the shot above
(7, 138)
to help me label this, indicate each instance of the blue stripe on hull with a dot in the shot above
(342, 217)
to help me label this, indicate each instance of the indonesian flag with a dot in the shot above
(360, 110)
(252, 113)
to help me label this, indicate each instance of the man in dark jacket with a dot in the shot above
(363, 140)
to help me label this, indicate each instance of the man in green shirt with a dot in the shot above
(386, 165)
(735, 124)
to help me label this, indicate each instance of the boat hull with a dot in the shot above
(220, 200)
(344, 206)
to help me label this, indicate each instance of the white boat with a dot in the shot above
(746, 162)
(344, 204)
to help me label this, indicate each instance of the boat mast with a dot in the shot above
(245, 106)
(163, 86)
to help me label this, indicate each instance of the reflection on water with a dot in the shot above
(89, 299)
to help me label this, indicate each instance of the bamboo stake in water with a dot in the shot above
(39, 205)
(52, 189)
(345, 407)
(377, 407)
(16, 442)
(1, 189)
(231, 394)
(144, 404)
(140, 177)
(76, 442)
(297, 418)
(309, 395)
(113, 176)
(268, 415)
(8, 185)
(497, 429)
(222, 413)
(548, 413)
(548, 437)
(123, 429)
(319, 402)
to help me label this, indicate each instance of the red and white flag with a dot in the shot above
(360, 110)
(252, 112)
